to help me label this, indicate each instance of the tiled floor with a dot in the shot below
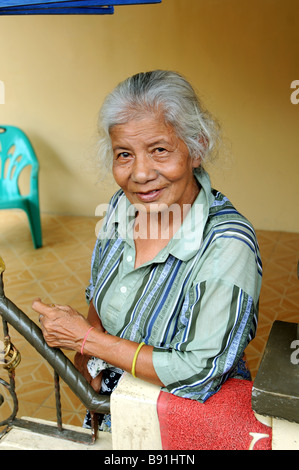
(59, 272)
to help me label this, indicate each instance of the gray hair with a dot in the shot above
(160, 91)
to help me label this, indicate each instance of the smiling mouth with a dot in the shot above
(149, 196)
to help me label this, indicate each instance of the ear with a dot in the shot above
(196, 161)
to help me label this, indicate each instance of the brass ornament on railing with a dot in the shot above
(2, 265)
(11, 356)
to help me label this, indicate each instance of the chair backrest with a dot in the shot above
(16, 152)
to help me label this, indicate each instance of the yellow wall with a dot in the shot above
(241, 56)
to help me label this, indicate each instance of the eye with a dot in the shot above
(122, 155)
(160, 150)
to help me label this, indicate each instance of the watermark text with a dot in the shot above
(295, 354)
(157, 222)
(295, 94)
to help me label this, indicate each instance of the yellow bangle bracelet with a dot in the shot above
(135, 359)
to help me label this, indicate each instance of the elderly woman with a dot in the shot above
(176, 271)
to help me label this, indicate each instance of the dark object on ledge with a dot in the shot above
(275, 390)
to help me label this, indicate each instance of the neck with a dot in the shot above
(157, 225)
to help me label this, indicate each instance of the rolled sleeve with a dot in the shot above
(218, 325)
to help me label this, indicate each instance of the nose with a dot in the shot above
(143, 169)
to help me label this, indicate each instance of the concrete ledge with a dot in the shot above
(144, 418)
(285, 435)
(134, 418)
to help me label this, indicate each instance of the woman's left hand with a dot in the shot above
(62, 326)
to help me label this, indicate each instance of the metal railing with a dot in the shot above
(63, 368)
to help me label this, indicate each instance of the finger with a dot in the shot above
(42, 308)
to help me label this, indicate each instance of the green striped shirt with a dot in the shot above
(196, 302)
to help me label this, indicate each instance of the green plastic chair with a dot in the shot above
(16, 153)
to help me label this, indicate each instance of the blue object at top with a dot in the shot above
(28, 3)
(31, 7)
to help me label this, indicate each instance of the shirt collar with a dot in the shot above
(188, 239)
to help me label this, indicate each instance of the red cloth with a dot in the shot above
(223, 422)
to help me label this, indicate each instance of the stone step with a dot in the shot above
(23, 439)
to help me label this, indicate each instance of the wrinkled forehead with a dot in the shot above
(147, 127)
(139, 112)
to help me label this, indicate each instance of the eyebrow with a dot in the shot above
(158, 142)
(120, 147)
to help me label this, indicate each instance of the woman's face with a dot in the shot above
(152, 165)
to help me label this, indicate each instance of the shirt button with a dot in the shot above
(123, 289)
(129, 258)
